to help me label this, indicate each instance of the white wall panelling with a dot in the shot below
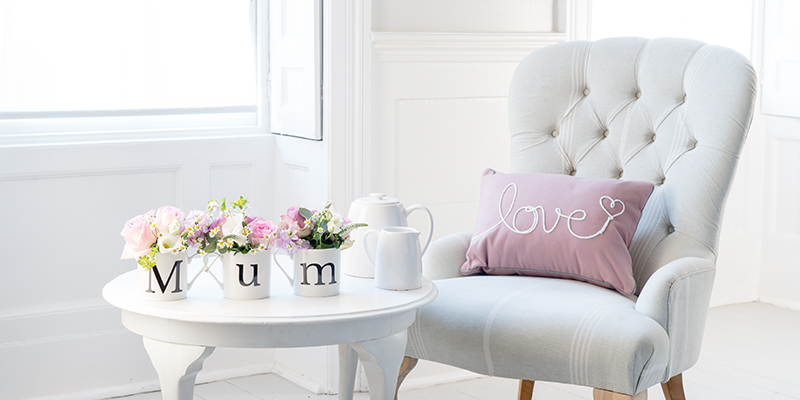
(472, 15)
(740, 245)
(781, 58)
(464, 47)
(439, 116)
(779, 281)
(67, 205)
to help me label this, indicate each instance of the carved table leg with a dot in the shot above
(177, 366)
(348, 361)
(381, 359)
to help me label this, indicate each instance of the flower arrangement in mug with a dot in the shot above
(162, 231)
(231, 230)
(304, 229)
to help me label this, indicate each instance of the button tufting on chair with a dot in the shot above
(671, 229)
(639, 94)
(653, 139)
(554, 134)
(573, 172)
(605, 133)
(586, 92)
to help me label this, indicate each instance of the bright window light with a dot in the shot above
(720, 22)
(122, 58)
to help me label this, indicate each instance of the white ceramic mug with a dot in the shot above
(316, 272)
(246, 276)
(168, 279)
(397, 259)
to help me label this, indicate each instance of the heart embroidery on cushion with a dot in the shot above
(612, 204)
(577, 215)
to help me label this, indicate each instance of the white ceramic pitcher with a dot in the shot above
(397, 259)
(378, 212)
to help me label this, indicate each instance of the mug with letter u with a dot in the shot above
(246, 276)
(316, 272)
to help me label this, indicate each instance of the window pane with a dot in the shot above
(721, 22)
(81, 55)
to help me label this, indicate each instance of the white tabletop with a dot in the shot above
(359, 299)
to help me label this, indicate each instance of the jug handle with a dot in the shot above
(275, 258)
(430, 216)
(367, 234)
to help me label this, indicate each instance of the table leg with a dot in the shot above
(177, 366)
(348, 361)
(381, 359)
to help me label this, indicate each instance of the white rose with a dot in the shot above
(168, 243)
(233, 225)
(175, 227)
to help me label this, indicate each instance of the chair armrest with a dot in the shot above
(677, 297)
(444, 256)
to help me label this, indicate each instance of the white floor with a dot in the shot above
(750, 352)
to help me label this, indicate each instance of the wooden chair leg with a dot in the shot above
(405, 368)
(525, 389)
(673, 388)
(600, 394)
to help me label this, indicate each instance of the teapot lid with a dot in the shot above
(377, 199)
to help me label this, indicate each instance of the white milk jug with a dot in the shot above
(378, 211)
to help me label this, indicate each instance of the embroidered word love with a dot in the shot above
(577, 215)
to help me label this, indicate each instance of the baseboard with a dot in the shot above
(298, 379)
(732, 300)
(791, 305)
(154, 386)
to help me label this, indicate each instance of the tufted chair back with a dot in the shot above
(638, 109)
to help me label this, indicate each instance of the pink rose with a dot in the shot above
(260, 230)
(296, 222)
(138, 235)
(169, 220)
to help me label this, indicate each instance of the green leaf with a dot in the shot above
(306, 213)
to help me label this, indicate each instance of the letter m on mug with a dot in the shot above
(320, 268)
(162, 284)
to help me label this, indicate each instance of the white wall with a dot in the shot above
(440, 74)
(64, 206)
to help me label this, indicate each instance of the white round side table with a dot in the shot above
(366, 322)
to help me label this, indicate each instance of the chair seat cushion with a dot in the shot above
(544, 329)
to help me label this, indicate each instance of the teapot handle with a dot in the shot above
(367, 248)
(430, 216)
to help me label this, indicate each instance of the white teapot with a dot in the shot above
(378, 211)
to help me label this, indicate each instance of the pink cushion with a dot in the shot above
(557, 226)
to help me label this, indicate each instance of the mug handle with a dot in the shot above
(189, 261)
(366, 235)
(430, 216)
(207, 267)
(275, 258)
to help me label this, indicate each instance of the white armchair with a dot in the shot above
(672, 112)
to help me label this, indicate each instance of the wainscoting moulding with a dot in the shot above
(446, 47)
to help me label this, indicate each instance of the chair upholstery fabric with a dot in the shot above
(673, 112)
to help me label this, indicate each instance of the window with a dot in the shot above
(101, 65)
